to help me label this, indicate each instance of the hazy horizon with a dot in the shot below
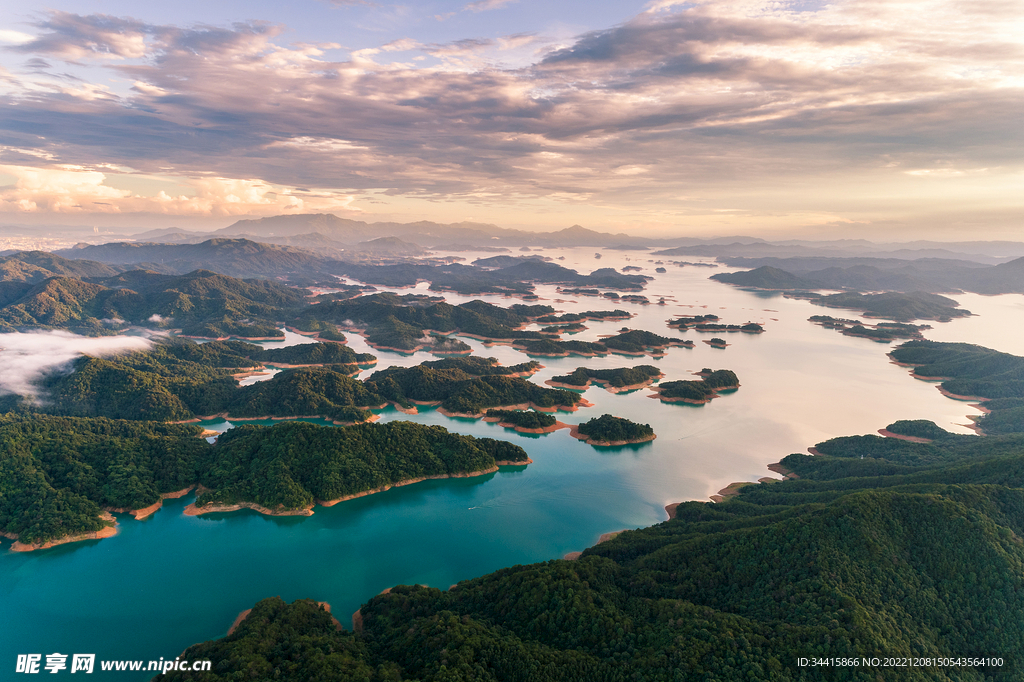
(884, 121)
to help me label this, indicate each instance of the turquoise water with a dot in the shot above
(166, 582)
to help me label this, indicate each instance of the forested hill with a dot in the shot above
(198, 302)
(882, 548)
(997, 379)
(58, 473)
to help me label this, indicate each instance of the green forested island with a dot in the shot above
(610, 430)
(618, 378)
(59, 473)
(973, 371)
(522, 419)
(638, 341)
(912, 551)
(291, 466)
(461, 389)
(600, 315)
(883, 331)
(916, 305)
(698, 392)
(550, 348)
(181, 380)
(405, 322)
(709, 323)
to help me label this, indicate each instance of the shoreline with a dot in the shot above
(691, 401)
(604, 537)
(193, 510)
(522, 429)
(145, 512)
(105, 532)
(517, 406)
(575, 433)
(605, 384)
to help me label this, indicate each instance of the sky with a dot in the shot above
(877, 119)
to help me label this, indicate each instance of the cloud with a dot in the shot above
(15, 37)
(79, 190)
(26, 357)
(487, 5)
(747, 100)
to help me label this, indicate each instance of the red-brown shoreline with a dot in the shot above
(105, 532)
(575, 433)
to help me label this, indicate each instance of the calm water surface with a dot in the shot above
(166, 582)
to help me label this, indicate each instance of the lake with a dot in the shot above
(171, 580)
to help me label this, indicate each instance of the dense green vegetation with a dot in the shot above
(971, 370)
(180, 380)
(764, 277)
(314, 354)
(584, 316)
(201, 303)
(306, 392)
(526, 419)
(616, 378)
(709, 323)
(405, 322)
(609, 429)
(444, 345)
(35, 266)
(698, 391)
(56, 473)
(919, 428)
(290, 466)
(459, 388)
(156, 385)
(640, 341)
(916, 305)
(560, 348)
(909, 555)
(883, 331)
(479, 366)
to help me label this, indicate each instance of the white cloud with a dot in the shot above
(69, 189)
(26, 357)
(487, 5)
(14, 37)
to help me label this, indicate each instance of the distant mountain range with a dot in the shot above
(879, 274)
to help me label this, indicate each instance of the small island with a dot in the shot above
(717, 342)
(697, 392)
(524, 421)
(883, 332)
(467, 387)
(640, 342)
(599, 315)
(560, 349)
(607, 430)
(617, 380)
(709, 323)
(902, 307)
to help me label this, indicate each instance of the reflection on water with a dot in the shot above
(180, 579)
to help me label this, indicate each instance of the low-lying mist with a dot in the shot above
(26, 356)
